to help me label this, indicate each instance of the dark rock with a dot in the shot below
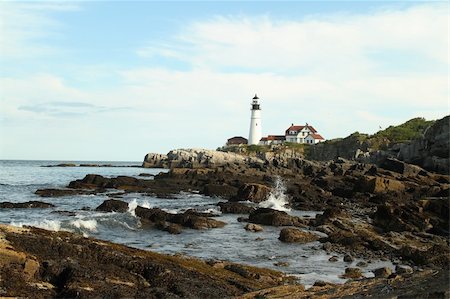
(234, 208)
(26, 205)
(253, 227)
(403, 269)
(171, 228)
(402, 167)
(144, 174)
(293, 235)
(354, 273)
(379, 185)
(334, 258)
(113, 205)
(348, 258)
(40, 264)
(64, 192)
(272, 217)
(383, 272)
(224, 191)
(252, 192)
(361, 264)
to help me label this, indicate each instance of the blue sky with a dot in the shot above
(97, 80)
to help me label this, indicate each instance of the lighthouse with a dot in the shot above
(255, 122)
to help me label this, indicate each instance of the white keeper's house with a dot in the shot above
(295, 134)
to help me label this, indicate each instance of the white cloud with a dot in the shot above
(23, 25)
(329, 42)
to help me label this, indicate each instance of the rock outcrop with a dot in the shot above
(432, 151)
(196, 158)
(36, 263)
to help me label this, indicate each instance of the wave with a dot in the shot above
(277, 198)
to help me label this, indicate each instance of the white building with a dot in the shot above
(314, 138)
(255, 133)
(303, 134)
(272, 139)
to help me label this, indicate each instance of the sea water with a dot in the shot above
(20, 179)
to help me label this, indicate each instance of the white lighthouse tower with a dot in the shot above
(255, 123)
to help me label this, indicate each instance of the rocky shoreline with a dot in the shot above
(388, 210)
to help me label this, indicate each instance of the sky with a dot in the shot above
(114, 80)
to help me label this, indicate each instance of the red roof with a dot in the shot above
(237, 140)
(316, 136)
(299, 128)
(273, 137)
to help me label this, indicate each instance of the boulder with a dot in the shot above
(234, 208)
(220, 190)
(383, 272)
(113, 205)
(252, 192)
(253, 227)
(25, 205)
(153, 160)
(380, 185)
(353, 273)
(348, 258)
(403, 269)
(401, 218)
(401, 167)
(293, 235)
(273, 217)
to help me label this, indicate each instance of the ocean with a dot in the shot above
(20, 179)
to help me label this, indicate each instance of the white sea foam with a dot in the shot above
(132, 207)
(277, 198)
(90, 225)
(54, 225)
(146, 204)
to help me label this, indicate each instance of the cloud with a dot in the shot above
(25, 25)
(68, 109)
(332, 42)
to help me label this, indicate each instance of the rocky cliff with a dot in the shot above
(430, 150)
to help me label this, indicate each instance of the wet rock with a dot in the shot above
(113, 205)
(361, 264)
(25, 205)
(65, 213)
(171, 228)
(43, 264)
(353, 273)
(146, 174)
(224, 190)
(234, 208)
(242, 271)
(348, 258)
(254, 227)
(294, 235)
(334, 258)
(252, 192)
(64, 192)
(273, 217)
(281, 264)
(61, 165)
(403, 269)
(320, 283)
(383, 272)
